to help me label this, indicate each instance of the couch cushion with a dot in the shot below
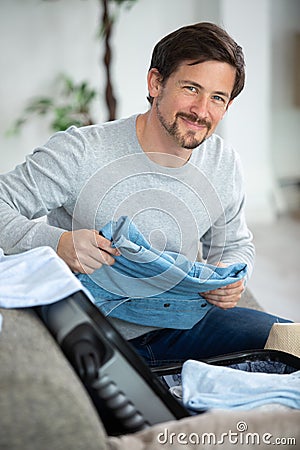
(43, 404)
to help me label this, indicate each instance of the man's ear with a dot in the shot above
(229, 104)
(227, 107)
(154, 82)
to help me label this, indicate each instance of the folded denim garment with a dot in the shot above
(154, 288)
(206, 386)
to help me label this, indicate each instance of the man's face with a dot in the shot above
(193, 100)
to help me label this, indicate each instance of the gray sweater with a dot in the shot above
(85, 177)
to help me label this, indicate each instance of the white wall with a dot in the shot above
(40, 39)
(248, 124)
(285, 142)
(143, 26)
(285, 112)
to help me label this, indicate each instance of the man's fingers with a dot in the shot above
(222, 302)
(235, 285)
(104, 244)
(225, 297)
(223, 305)
(85, 250)
(101, 252)
(88, 263)
(221, 298)
(224, 292)
(230, 289)
(105, 257)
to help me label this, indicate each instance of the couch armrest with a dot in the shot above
(43, 404)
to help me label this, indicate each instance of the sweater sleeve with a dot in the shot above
(43, 183)
(229, 240)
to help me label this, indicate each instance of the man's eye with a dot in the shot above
(218, 99)
(191, 89)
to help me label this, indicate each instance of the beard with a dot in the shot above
(186, 140)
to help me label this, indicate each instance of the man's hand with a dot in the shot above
(227, 296)
(85, 250)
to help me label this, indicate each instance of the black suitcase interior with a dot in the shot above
(128, 395)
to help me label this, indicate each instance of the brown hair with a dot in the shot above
(198, 43)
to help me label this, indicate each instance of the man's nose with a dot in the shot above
(200, 106)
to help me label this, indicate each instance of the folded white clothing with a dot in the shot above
(36, 277)
(206, 386)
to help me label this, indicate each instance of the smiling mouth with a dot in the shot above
(194, 121)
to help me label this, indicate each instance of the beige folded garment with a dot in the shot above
(285, 337)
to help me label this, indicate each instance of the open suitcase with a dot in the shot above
(127, 395)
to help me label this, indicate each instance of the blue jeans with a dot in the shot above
(219, 332)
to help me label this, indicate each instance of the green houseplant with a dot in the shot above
(72, 102)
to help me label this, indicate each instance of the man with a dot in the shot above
(169, 172)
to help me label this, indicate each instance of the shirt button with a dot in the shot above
(167, 305)
(203, 305)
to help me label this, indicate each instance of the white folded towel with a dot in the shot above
(36, 277)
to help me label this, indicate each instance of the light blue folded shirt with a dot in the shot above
(206, 386)
(149, 287)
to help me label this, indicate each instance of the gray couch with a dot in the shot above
(44, 406)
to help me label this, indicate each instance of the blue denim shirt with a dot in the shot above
(153, 288)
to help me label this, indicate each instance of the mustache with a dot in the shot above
(194, 118)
